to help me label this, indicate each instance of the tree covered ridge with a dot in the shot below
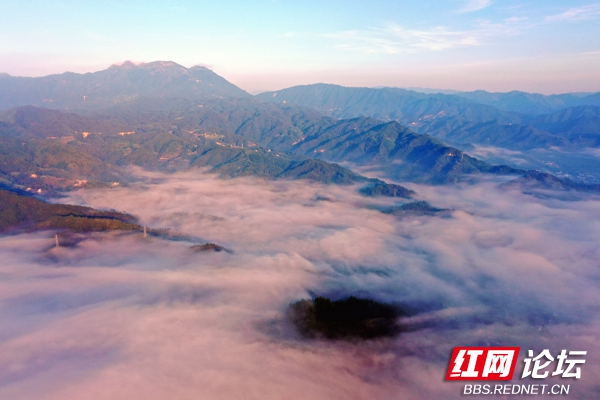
(19, 212)
(349, 318)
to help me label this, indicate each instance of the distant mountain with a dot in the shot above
(232, 161)
(579, 125)
(30, 122)
(393, 148)
(532, 181)
(432, 90)
(73, 158)
(285, 128)
(509, 120)
(386, 104)
(47, 150)
(491, 133)
(531, 103)
(116, 85)
(163, 116)
(398, 151)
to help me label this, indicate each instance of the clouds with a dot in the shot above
(396, 38)
(574, 14)
(122, 316)
(393, 38)
(475, 5)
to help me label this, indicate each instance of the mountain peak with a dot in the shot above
(199, 67)
(150, 65)
(125, 65)
(120, 83)
(162, 64)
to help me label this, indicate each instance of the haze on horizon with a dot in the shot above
(545, 47)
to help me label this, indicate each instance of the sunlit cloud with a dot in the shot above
(395, 39)
(475, 5)
(576, 14)
(128, 317)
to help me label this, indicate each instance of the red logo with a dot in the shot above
(482, 363)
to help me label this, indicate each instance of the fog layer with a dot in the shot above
(127, 317)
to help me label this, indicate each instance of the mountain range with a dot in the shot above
(532, 103)
(72, 130)
(115, 85)
(514, 120)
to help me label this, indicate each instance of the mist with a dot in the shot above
(122, 316)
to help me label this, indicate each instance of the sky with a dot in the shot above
(498, 45)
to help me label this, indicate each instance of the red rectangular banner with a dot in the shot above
(482, 363)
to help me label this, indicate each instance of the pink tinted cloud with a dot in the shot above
(127, 317)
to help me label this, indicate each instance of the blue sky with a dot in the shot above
(499, 45)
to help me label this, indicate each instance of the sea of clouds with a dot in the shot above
(120, 316)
